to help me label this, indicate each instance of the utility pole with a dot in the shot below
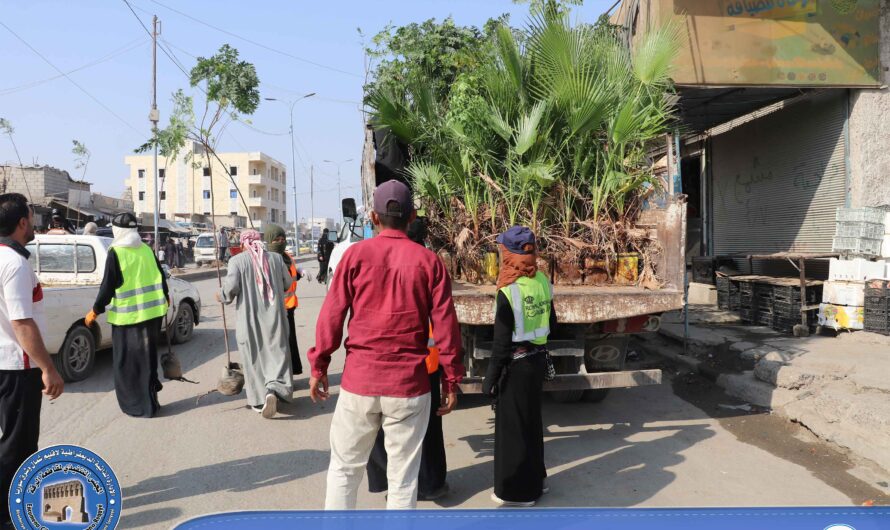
(312, 202)
(339, 194)
(154, 117)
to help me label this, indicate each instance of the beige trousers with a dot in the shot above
(354, 427)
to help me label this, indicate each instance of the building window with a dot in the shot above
(141, 195)
(233, 214)
(233, 194)
(162, 173)
(141, 173)
(162, 216)
(233, 170)
(206, 171)
(206, 194)
(255, 216)
(163, 195)
(206, 213)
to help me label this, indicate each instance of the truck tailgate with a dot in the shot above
(574, 304)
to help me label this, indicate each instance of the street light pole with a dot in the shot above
(339, 194)
(293, 157)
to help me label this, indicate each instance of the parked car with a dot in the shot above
(70, 268)
(205, 248)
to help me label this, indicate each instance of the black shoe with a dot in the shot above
(435, 495)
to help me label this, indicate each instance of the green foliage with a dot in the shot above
(547, 126)
(81, 156)
(228, 80)
(6, 126)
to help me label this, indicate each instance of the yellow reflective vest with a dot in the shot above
(530, 299)
(141, 296)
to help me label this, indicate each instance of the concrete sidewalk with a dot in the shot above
(837, 387)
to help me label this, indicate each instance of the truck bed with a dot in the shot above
(583, 304)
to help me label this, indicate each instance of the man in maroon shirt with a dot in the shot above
(393, 290)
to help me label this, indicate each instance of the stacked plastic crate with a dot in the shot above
(858, 238)
(877, 306)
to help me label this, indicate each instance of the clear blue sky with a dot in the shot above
(72, 34)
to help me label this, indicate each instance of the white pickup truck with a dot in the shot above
(70, 268)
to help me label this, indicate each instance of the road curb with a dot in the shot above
(199, 275)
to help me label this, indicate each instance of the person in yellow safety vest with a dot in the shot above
(276, 241)
(524, 316)
(135, 286)
(433, 466)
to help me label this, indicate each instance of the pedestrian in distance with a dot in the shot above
(431, 484)
(59, 225)
(223, 240)
(519, 362)
(276, 242)
(180, 254)
(90, 229)
(256, 283)
(170, 253)
(321, 254)
(392, 289)
(134, 288)
(26, 369)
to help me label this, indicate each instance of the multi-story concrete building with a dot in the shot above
(39, 183)
(186, 190)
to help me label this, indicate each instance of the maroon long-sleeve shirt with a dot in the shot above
(393, 289)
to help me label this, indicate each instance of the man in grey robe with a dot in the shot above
(256, 282)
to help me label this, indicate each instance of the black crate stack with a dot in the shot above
(775, 306)
(877, 306)
(727, 293)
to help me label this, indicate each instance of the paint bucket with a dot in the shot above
(628, 267)
(491, 267)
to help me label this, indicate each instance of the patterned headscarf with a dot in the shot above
(252, 242)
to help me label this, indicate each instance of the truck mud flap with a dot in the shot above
(625, 379)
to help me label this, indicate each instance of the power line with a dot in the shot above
(116, 53)
(255, 43)
(72, 81)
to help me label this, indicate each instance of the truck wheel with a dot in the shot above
(567, 396)
(76, 359)
(183, 324)
(595, 396)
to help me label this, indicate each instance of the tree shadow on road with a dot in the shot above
(241, 475)
(152, 518)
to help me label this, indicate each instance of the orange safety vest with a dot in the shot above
(290, 297)
(432, 360)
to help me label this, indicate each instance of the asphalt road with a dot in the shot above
(641, 447)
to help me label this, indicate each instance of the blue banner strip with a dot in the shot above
(836, 518)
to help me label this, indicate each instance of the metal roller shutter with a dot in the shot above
(778, 180)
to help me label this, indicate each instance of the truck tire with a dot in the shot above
(77, 358)
(183, 324)
(567, 396)
(595, 396)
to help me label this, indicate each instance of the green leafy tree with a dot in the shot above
(81, 157)
(7, 129)
(231, 90)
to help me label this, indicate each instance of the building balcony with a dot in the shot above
(262, 179)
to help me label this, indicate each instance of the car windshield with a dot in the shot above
(204, 242)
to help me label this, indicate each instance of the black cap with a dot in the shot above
(393, 191)
(124, 220)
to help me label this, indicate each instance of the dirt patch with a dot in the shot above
(779, 437)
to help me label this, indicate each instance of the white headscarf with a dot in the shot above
(125, 237)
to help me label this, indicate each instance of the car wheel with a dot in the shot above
(76, 359)
(183, 324)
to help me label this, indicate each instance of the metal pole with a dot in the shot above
(154, 119)
(293, 158)
(339, 196)
(312, 201)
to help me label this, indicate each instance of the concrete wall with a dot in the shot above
(870, 133)
(40, 182)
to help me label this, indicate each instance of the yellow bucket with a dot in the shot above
(490, 265)
(628, 265)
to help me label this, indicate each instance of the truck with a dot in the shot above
(70, 269)
(589, 346)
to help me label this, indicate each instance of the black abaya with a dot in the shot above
(519, 469)
(135, 364)
(294, 348)
(433, 467)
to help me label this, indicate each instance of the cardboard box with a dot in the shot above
(844, 293)
(841, 316)
(855, 270)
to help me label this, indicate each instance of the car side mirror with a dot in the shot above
(349, 209)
